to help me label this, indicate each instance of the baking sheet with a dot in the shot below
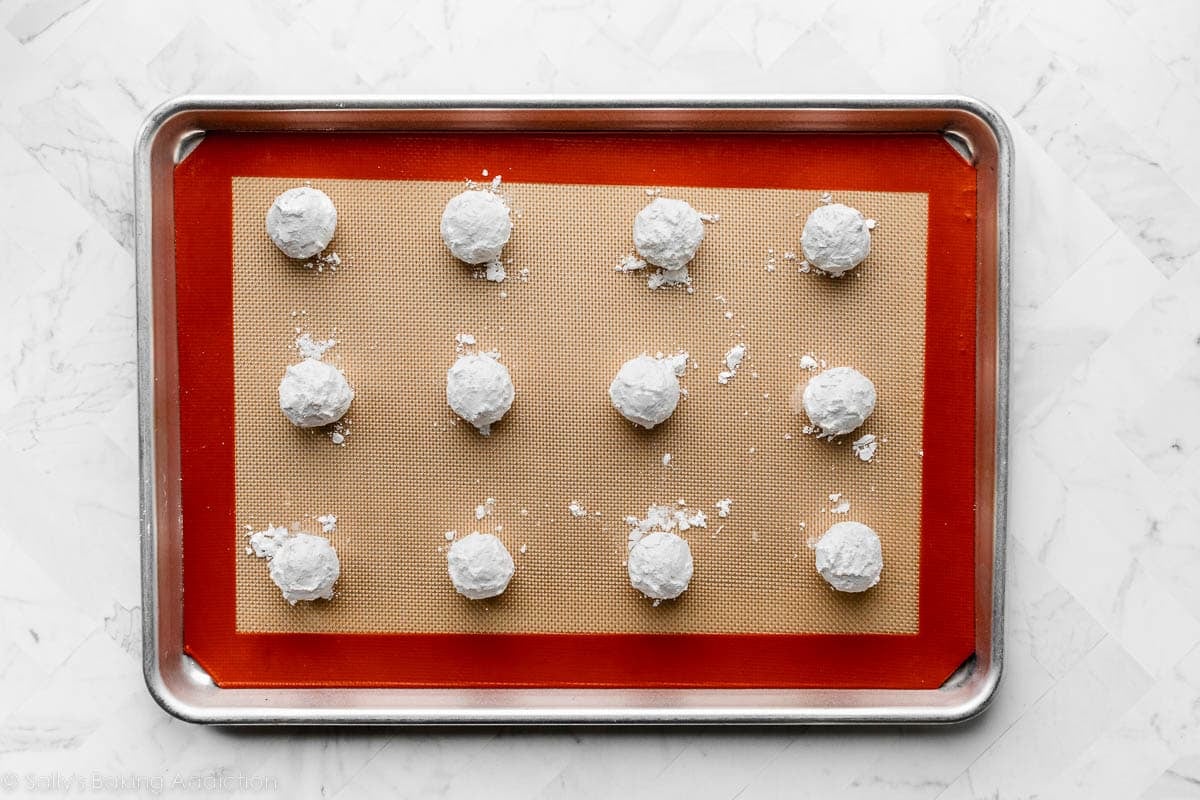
(184, 239)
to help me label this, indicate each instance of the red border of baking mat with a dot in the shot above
(883, 163)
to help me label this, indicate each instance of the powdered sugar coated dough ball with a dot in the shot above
(480, 390)
(849, 557)
(301, 222)
(480, 566)
(667, 233)
(313, 393)
(836, 238)
(476, 226)
(660, 565)
(838, 400)
(645, 390)
(305, 567)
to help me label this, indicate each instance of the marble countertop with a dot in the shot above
(1100, 697)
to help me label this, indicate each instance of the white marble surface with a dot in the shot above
(1102, 693)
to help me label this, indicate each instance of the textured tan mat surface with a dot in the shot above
(408, 472)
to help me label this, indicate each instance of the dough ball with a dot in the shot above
(836, 238)
(667, 233)
(480, 390)
(313, 393)
(838, 400)
(476, 226)
(660, 565)
(305, 567)
(480, 566)
(849, 557)
(645, 390)
(301, 222)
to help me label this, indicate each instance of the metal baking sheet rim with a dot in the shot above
(186, 691)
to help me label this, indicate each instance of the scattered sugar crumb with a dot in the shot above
(678, 361)
(663, 518)
(340, 432)
(485, 509)
(723, 507)
(313, 348)
(666, 459)
(265, 543)
(669, 277)
(484, 173)
(630, 263)
(733, 360)
(450, 535)
(710, 217)
(495, 271)
(330, 261)
(524, 548)
(728, 315)
(865, 447)
(576, 509)
(328, 522)
(841, 505)
(808, 362)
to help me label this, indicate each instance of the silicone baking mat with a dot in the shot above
(563, 323)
